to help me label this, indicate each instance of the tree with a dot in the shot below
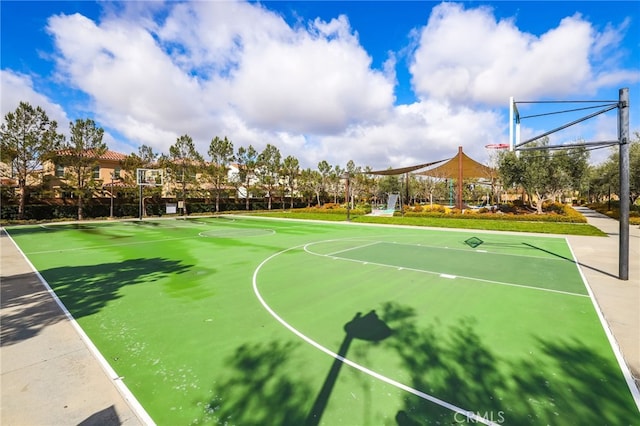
(183, 163)
(367, 184)
(290, 172)
(80, 157)
(247, 159)
(335, 177)
(544, 174)
(355, 185)
(308, 184)
(605, 178)
(324, 168)
(217, 172)
(28, 139)
(268, 170)
(388, 185)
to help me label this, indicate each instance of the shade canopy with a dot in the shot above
(403, 170)
(451, 169)
(460, 167)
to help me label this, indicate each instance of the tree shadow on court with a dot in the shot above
(559, 382)
(266, 384)
(451, 364)
(85, 290)
(587, 388)
(367, 327)
(263, 386)
(27, 308)
(454, 365)
(99, 229)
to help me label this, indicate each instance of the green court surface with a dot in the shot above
(252, 321)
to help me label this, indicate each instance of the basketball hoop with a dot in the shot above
(497, 146)
(149, 177)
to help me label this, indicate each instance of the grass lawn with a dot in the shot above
(446, 222)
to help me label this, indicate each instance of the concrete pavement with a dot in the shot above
(618, 300)
(51, 374)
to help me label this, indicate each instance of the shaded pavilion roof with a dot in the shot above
(402, 170)
(451, 169)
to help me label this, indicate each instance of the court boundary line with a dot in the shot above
(264, 232)
(117, 381)
(469, 250)
(353, 248)
(624, 368)
(425, 271)
(470, 415)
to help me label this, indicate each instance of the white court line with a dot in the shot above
(626, 372)
(425, 271)
(470, 250)
(237, 233)
(122, 388)
(353, 248)
(469, 414)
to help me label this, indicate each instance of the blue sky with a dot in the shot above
(385, 84)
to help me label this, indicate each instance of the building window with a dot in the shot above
(116, 173)
(96, 172)
(59, 170)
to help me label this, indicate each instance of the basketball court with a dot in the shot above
(255, 321)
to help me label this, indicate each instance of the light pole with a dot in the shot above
(111, 192)
(347, 177)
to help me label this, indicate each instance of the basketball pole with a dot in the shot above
(511, 134)
(139, 180)
(623, 138)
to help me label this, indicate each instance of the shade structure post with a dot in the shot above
(460, 178)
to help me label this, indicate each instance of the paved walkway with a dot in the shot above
(51, 376)
(619, 300)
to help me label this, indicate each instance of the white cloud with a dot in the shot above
(210, 59)
(18, 88)
(468, 56)
(310, 84)
(417, 133)
(154, 71)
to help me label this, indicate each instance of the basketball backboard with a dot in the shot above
(149, 177)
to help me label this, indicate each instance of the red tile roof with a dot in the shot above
(112, 155)
(109, 155)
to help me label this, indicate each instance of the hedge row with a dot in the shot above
(332, 210)
(556, 213)
(45, 212)
(613, 211)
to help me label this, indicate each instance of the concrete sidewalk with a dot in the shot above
(50, 376)
(618, 300)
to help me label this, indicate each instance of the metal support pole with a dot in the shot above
(459, 195)
(623, 136)
(111, 192)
